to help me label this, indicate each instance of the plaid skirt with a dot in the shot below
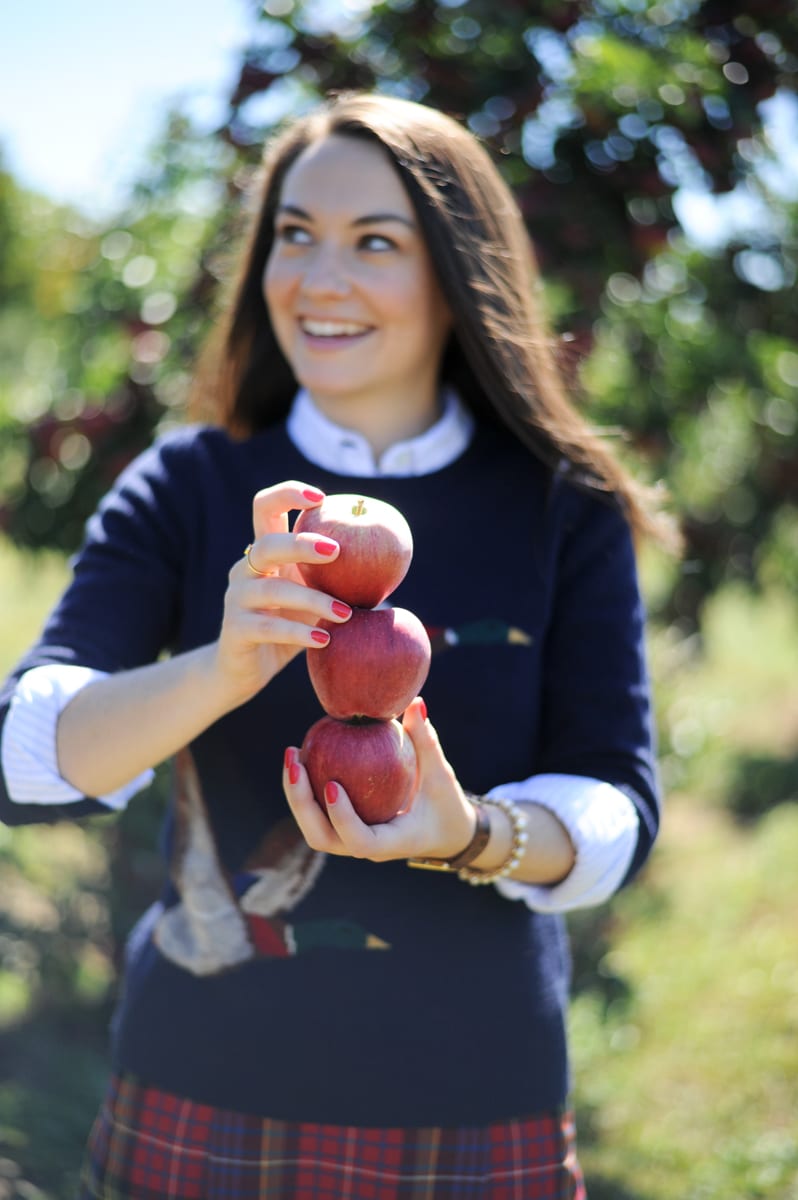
(152, 1145)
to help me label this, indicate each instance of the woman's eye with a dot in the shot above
(294, 235)
(377, 241)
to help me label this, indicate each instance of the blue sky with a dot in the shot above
(84, 85)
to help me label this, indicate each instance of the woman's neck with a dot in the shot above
(381, 424)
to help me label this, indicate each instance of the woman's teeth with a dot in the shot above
(333, 328)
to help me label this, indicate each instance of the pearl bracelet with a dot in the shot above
(518, 821)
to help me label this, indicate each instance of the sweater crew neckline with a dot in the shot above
(344, 451)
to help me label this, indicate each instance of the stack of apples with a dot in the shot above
(372, 666)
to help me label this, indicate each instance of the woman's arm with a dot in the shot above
(116, 727)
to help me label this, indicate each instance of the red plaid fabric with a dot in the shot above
(151, 1145)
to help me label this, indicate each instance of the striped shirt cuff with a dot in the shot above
(602, 824)
(28, 752)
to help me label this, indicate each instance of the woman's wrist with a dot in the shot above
(525, 842)
(495, 847)
(505, 848)
(231, 688)
(469, 851)
(499, 844)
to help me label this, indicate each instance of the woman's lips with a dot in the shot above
(333, 334)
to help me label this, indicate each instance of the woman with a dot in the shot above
(302, 1015)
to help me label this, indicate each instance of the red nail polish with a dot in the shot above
(291, 765)
(320, 635)
(331, 792)
(423, 708)
(340, 609)
(325, 548)
(312, 494)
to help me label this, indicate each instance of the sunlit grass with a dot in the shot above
(730, 694)
(691, 1090)
(29, 585)
(54, 951)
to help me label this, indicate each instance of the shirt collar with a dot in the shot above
(346, 452)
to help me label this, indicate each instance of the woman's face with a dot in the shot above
(349, 284)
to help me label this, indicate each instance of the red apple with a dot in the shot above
(376, 548)
(372, 666)
(374, 761)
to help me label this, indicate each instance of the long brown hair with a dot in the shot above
(500, 355)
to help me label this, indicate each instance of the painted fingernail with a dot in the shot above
(340, 609)
(320, 635)
(312, 494)
(291, 765)
(331, 792)
(423, 708)
(325, 548)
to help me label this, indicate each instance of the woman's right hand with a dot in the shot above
(271, 617)
(268, 619)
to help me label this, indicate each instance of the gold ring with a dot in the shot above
(251, 565)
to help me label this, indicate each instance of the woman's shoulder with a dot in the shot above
(191, 440)
(188, 447)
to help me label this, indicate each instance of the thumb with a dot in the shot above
(422, 733)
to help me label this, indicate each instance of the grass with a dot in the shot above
(54, 963)
(30, 585)
(690, 1089)
(686, 1082)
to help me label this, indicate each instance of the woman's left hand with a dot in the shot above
(439, 822)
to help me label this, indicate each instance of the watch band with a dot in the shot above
(474, 848)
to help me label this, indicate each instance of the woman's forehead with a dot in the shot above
(346, 175)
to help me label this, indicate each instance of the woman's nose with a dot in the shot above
(325, 273)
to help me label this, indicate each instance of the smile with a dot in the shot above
(333, 329)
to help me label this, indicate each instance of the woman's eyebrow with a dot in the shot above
(374, 218)
(294, 210)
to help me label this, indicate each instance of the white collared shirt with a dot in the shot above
(347, 452)
(601, 821)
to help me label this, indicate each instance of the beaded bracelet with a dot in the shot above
(518, 821)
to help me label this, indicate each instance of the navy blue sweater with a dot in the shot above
(277, 981)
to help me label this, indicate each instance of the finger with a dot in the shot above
(270, 506)
(435, 773)
(312, 820)
(268, 628)
(271, 551)
(358, 839)
(279, 593)
(422, 733)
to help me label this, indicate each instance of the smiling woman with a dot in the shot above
(301, 1014)
(354, 302)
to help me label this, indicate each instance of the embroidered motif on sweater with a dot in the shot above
(222, 921)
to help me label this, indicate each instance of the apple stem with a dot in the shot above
(359, 509)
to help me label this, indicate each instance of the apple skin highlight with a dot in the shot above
(376, 548)
(374, 761)
(373, 665)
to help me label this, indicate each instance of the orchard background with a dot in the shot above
(614, 121)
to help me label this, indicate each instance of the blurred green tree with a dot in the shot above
(601, 114)
(100, 323)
